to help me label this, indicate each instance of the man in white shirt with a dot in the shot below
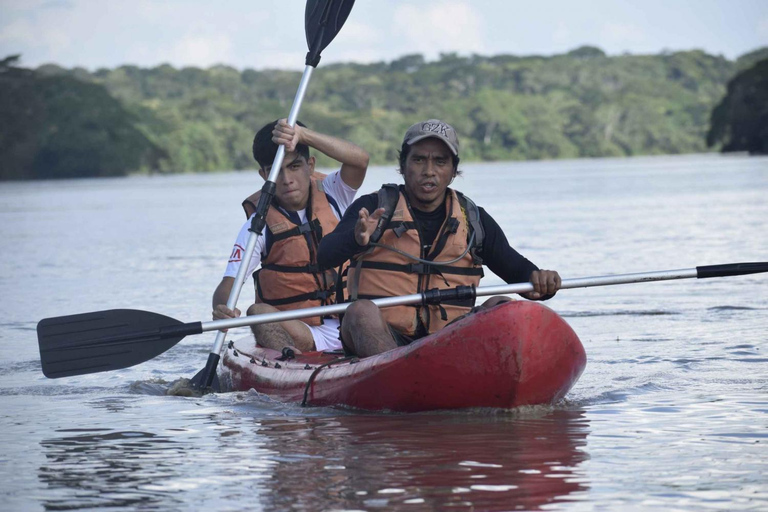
(306, 206)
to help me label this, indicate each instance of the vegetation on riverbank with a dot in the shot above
(740, 120)
(60, 123)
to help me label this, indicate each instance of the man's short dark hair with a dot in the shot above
(264, 150)
(402, 155)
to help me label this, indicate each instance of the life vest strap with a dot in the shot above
(308, 227)
(400, 227)
(321, 295)
(306, 269)
(423, 268)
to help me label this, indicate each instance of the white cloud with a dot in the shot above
(762, 28)
(357, 42)
(201, 50)
(442, 27)
(561, 34)
(359, 34)
(277, 60)
(57, 4)
(618, 34)
(18, 32)
(44, 33)
(270, 33)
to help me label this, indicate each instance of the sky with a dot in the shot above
(268, 34)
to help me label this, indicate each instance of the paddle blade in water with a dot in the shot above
(106, 340)
(197, 382)
(323, 20)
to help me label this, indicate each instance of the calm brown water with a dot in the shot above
(670, 413)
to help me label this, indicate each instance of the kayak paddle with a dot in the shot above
(323, 20)
(119, 338)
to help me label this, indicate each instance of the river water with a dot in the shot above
(671, 411)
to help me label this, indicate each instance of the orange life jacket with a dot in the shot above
(380, 272)
(289, 277)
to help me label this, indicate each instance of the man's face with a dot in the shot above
(428, 172)
(292, 183)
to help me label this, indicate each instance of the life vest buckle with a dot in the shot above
(323, 294)
(417, 268)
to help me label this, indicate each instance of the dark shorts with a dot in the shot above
(400, 338)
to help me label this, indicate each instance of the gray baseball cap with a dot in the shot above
(433, 128)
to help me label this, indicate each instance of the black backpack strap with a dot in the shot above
(472, 212)
(388, 196)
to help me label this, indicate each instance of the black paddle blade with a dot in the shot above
(323, 20)
(198, 382)
(106, 340)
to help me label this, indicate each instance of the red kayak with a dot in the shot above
(517, 353)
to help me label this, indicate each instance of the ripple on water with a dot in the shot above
(53, 390)
(613, 396)
(18, 326)
(732, 308)
(638, 312)
(102, 468)
(17, 367)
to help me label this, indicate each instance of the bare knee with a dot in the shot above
(260, 309)
(364, 331)
(270, 335)
(361, 311)
(363, 316)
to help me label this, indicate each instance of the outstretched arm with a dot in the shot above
(342, 243)
(354, 159)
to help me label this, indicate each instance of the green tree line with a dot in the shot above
(740, 120)
(61, 123)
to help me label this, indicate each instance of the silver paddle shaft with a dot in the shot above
(583, 282)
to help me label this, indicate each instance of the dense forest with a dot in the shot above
(60, 123)
(740, 121)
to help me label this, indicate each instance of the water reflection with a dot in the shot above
(105, 469)
(281, 457)
(481, 462)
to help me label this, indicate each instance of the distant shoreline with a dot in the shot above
(581, 104)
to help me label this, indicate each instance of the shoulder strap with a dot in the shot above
(388, 196)
(472, 212)
(249, 205)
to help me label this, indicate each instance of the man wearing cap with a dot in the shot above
(419, 236)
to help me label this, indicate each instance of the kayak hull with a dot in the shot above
(517, 353)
